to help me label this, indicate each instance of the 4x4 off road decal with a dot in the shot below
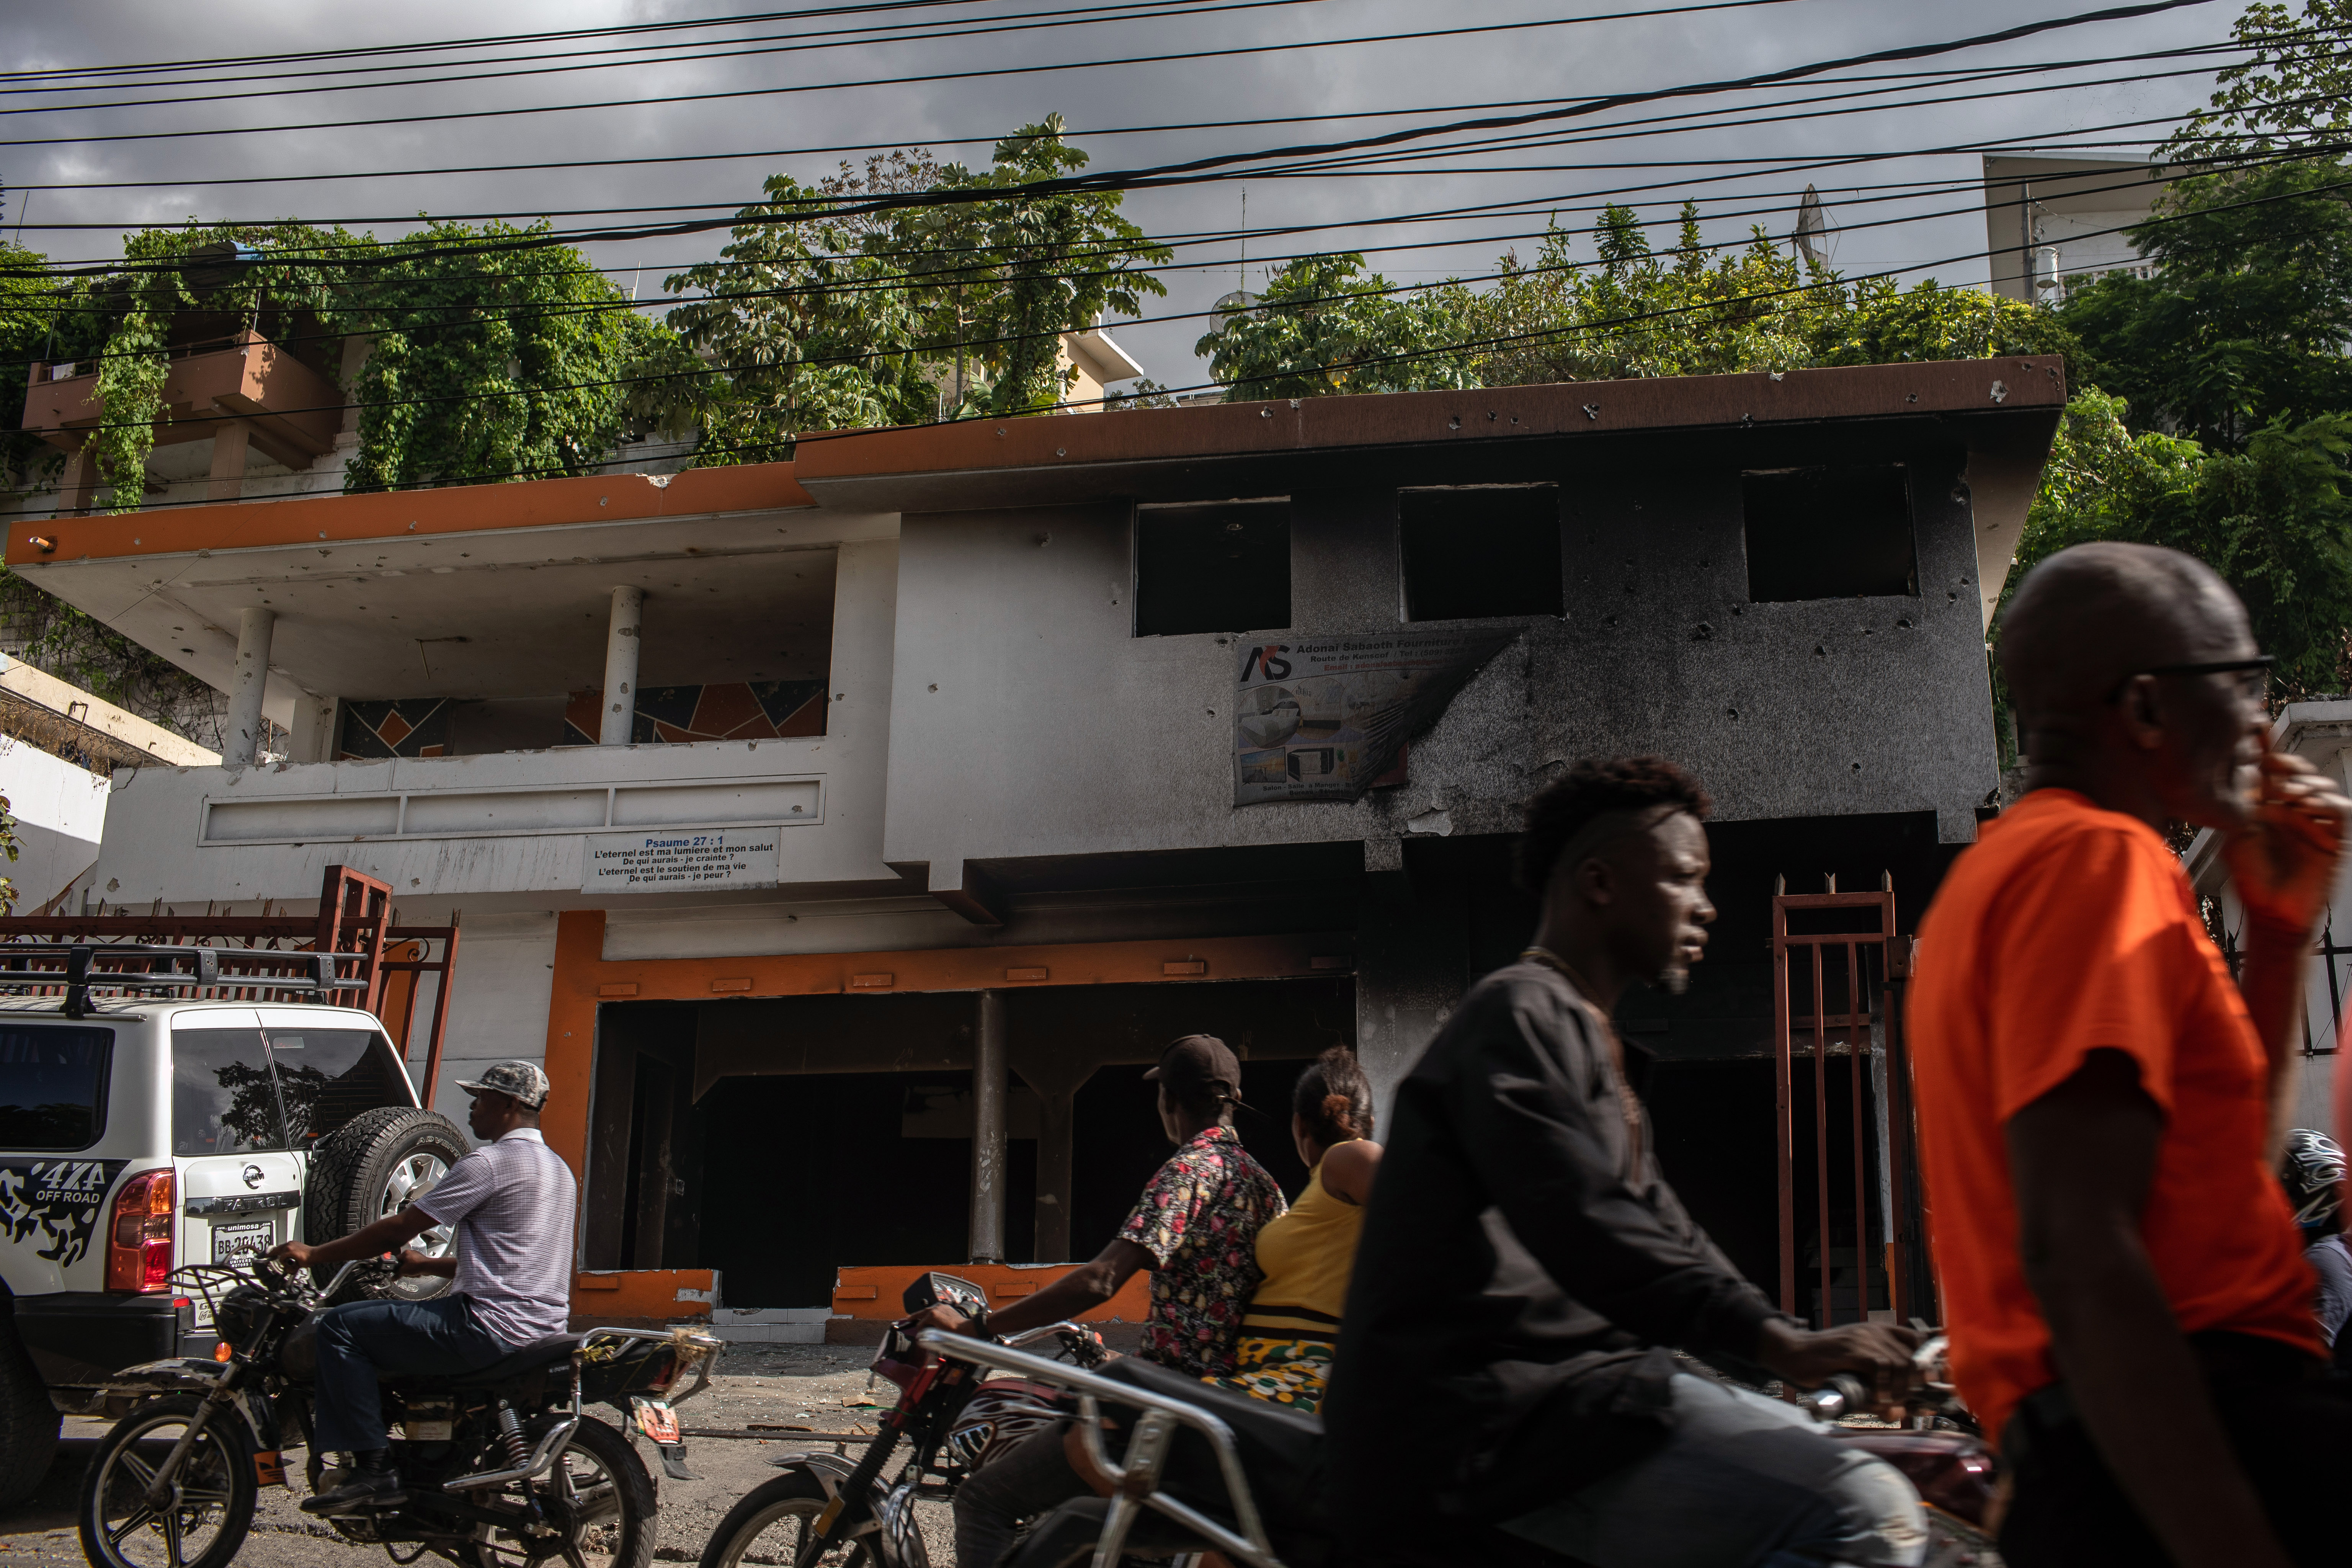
(59, 1198)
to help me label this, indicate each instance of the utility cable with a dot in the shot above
(1917, 51)
(1634, 319)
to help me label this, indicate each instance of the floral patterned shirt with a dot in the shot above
(1198, 1219)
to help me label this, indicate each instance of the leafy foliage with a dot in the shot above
(1644, 312)
(2275, 519)
(2294, 86)
(819, 317)
(1324, 326)
(2247, 320)
(488, 363)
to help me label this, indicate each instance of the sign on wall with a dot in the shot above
(1323, 720)
(672, 860)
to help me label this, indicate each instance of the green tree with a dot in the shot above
(488, 362)
(826, 312)
(797, 329)
(1045, 265)
(1644, 312)
(2248, 317)
(1325, 326)
(2294, 88)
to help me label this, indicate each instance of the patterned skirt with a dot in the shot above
(1280, 1371)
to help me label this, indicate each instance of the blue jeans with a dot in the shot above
(1743, 1482)
(416, 1339)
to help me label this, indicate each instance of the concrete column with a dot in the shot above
(987, 1149)
(78, 484)
(1409, 972)
(1055, 1120)
(314, 729)
(621, 643)
(242, 738)
(228, 460)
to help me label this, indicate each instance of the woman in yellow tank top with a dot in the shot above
(1308, 1254)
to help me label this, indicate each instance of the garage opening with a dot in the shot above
(778, 1140)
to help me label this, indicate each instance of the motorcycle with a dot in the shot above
(499, 1467)
(1198, 1459)
(826, 1509)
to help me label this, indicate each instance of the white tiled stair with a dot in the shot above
(770, 1325)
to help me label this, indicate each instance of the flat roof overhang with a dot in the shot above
(480, 590)
(1273, 448)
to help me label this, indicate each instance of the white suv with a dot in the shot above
(142, 1135)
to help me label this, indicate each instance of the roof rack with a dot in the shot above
(43, 966)
(351, 944)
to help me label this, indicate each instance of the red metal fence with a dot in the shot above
(354, 916)
(1841, 972)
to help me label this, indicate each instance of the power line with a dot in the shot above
(1634, 319)
(490, 41)
(61, 309)
(1952, 75)
(1208, 169)
(2150, 7)
(1377, 164)
(940, 348)
(789, 43)
(785, 43)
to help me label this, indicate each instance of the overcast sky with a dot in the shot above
(56, 168)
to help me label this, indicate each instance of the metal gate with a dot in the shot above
(354, 918)
(1860, 972)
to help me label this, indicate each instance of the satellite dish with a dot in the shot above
(1813, 229)
(1240, 302)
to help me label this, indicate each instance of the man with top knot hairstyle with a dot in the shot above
(1526, 1274)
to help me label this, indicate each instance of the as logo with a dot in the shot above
(1268, 662)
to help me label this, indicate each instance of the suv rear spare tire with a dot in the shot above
(375, 1165)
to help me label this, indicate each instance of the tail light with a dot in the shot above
(139, 1233)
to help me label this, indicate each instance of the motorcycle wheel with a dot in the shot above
(600, 1491)
(211, 1496)
(774, 1520)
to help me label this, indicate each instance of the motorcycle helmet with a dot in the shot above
(2313, 1170)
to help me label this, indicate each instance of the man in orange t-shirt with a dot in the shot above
(2099, 1101)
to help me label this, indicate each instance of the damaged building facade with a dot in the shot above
(848, 835)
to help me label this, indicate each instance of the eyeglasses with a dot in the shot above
(2255, 675)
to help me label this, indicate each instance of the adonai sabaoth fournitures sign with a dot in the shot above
(1324, 719)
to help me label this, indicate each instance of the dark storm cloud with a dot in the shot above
(1541, 64)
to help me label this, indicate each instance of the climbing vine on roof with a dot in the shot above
(492, 357)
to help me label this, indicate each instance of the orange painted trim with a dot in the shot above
(873, 1293)
(408, 514)
(645, 1292)
(1324, 424)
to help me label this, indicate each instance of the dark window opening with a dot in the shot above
(1829, 534)
(53, 1088)
(1212, 568)
(1480, 552)
(224, 1100)
(326, 1077)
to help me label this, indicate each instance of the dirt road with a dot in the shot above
(819, 1385)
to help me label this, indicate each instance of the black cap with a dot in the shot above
(1199, 1067)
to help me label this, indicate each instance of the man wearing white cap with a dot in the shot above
(512, 1202)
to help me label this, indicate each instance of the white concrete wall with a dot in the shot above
(498, 1009)
(60, 813)
(1030, 720)
(515, 823)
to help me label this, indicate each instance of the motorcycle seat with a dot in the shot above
(1067, 1536)
(529, 1358)
(1272, 1439)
